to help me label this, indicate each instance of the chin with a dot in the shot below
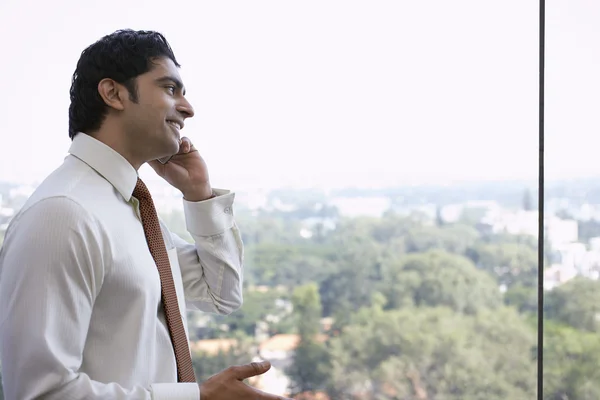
(173, 147)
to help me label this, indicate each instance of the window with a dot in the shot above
(571, 275)
(384, 159)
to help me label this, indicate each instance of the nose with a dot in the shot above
(185, 108)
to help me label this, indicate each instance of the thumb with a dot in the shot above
(252, 369)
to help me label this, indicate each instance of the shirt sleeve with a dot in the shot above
(51, 270)
(212, 267)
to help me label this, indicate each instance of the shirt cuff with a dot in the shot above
(175, 391)
(212, 216)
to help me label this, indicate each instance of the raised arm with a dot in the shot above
(212, 267)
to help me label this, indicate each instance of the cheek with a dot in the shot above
(153, 119)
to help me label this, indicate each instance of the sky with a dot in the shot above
(328, 93)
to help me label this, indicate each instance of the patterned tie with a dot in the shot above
(185, 370)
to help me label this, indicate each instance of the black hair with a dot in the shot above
(122, 56)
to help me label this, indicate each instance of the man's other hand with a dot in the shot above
(228, 384)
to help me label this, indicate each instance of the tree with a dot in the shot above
(570, 363)
(208, 364)
(523, 298)
(308, 370)
(290, 265)
(433, 353)
(575, 303)
(307, 308)
(437, 278)
(357, 273)
(452, 238)
(258, 305)
(508, 263)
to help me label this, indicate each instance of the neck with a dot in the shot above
(115, 138)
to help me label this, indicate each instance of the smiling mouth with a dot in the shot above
(175, 124)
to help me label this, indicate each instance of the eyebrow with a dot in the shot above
(172, 79)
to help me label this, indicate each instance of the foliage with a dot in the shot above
(575, 303)
(523, 298)
(433, 353)
(207, 364)
(309, 368)
(509, 263)
(274, 264)
(258, 306)
(418, 312)
(438, 278)
(570, 363)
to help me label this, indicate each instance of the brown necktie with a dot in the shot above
(185, 370)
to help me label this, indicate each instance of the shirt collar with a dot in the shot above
(107, 162)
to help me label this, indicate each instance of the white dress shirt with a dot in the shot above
(80, 298)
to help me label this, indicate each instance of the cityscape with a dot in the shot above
(302, 243)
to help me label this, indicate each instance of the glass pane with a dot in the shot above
(571, 345)
(384, 159)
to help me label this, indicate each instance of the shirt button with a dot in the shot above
(227, 210)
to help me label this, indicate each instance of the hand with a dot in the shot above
(227, 384)
(187, 171)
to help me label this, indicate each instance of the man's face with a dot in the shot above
(153, 123)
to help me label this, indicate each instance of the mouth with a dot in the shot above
(176, 124)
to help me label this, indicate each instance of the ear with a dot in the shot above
(112, 93)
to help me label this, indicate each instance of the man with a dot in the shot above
(93, 288)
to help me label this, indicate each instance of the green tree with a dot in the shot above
(433, 354)
(308, 370)
(452, 238)
(570, 363)
(357, 273)
(437, 278)
(575, 303)
(523, 298)
(258, 305)
(207, 364)
(306, 303)
(289, 265)
(508, 263)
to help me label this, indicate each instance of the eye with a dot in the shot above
(171, 89)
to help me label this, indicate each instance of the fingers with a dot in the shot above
(267, 396)
(246, 371)
(260, 395)
(185, 146)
